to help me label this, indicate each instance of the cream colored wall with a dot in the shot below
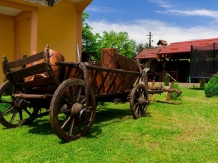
(57, 28)
(6, 41)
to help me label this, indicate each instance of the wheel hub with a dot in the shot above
(142, 101)
(20, 103)
(76, 108)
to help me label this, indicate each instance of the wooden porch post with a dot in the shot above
(79, 34)
(33, 32)
(17, 39)
(164, 70)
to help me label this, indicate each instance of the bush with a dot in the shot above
(211, 89)
(202, 83)
(166, 80)
(174, 95)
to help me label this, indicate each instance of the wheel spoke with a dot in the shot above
(135, 99)
(82, 101)
(7, 111)
(143, 109)
(27, 111)
(85, 117)
(9, 92)
(78, 125)
(65, 121)
(20, 114)
(80, 118)
(78, 93)
(64, 100)
(136, 108)
(138, 94)
(136, 103)
(140, 110)
(13, 116)
(71, 127)
(71, 95)
(64, 109)
(139, 91)
(75, 89)
(89, 109)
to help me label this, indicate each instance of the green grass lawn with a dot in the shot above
(168, 133)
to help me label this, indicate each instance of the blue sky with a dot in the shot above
(170, 20)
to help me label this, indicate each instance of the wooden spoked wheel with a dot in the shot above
(72, 110)
(138, 101)
(14, 111)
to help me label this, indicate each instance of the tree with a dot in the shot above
(120, 41)
(95, 42)
(89, 43)
(141, 47)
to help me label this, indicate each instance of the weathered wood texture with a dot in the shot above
(37, 73)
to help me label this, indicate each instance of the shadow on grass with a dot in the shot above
(108, 117)
(41, 127)
(110, 114)
(196, 88)
(103, 117)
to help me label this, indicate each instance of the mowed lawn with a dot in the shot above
(187, 132)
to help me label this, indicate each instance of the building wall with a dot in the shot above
(24, 30)
(57, 28)
(6, 40)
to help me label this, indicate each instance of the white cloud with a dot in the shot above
(139, 29)
(99, 9)
(194, 12)
(162, 3)
(197, 12)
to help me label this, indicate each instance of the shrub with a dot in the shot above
(211, 89)
(202, 83)
(166, 80)
(174, 95)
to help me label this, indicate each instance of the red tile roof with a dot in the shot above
(148, 53)
(185, 47)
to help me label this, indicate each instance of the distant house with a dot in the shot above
(162, 43)
(149, 53)
(183, 49)
(149, 57)
(152, 53)
(175, 58)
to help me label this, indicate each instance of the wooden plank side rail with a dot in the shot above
(120, 71)
(35, 82)
(22, 73)
(24, 61)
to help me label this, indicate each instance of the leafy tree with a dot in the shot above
(89, 43)
(140, 47)
(95, 42)
(120, 41)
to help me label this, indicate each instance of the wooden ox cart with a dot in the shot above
(43, 84)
